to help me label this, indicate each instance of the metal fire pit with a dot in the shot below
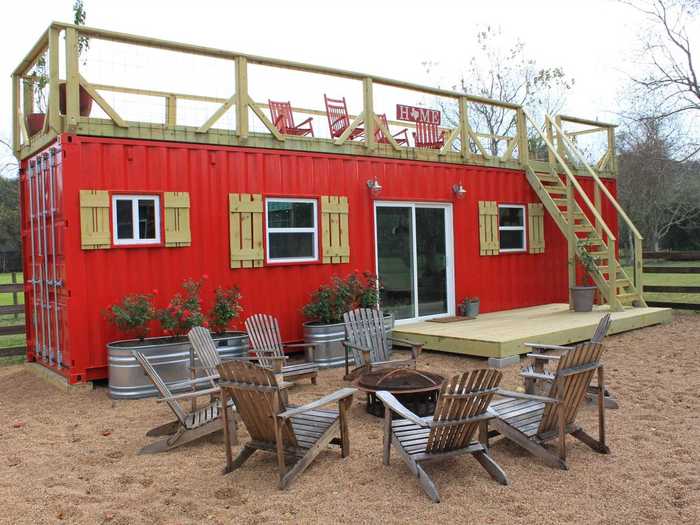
(417, 390)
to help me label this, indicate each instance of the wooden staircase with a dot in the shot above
(565, 201)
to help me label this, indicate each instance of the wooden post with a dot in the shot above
(53, 116)
(242, 97)
(463, 130)
(171, 111)
(27, 97)
(16, 140)
(368, 103)
(612, 158)
(521, 124)
(598, 207)
(72, 80)
(550, 138)
(638, 267)
(612, 275)
(570, 234)
(14, 294)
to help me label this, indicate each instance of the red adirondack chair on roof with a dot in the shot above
(401, 137)
(283, 119)
(338, 119)
(428, 136)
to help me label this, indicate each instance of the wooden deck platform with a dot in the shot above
(502, 334)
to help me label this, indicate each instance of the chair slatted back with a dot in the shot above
(282, 115)
(379, 136)
(365, 327)
(258, 400)
(602, 330)
(462, 396)
(160, 385)
(264, 334)
(205, 349)
(570, 384)
(427, 135)
(337, 113)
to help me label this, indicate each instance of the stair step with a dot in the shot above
(603, 255)
(583, 228)
(555, 190)
(560, 202)
(547, 177)
(626, 297)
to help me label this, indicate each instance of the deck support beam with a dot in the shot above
(241, 97)
(72, 81)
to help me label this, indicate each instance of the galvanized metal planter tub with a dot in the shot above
(329, 351)
(171, 359)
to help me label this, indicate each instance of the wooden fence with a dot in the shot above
(675, 270)
(15, 288)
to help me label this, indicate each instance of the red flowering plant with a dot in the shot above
(330, 301)
(133, 314)
(184, 310)
(226, 308)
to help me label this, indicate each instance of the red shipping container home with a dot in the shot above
(111, 207)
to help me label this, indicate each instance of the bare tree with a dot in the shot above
(8, 163)
(502, 71)
(671, 74)
(658, 191)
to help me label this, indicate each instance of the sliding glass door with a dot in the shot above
(414, 259)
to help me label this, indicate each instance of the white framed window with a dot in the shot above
(511, 228)
(136, 219)
(292, 231)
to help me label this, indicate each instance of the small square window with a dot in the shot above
(136, 219)
(511, 228)
(291, 230)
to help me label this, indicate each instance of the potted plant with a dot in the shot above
(169, 354)
(469, 307)
(584, 295)
(325, 313)
(40, 79)
(225, 310)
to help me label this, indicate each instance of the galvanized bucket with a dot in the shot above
(329, 351)
(171, 359)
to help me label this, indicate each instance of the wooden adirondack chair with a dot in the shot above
(295, 433)
(400, 137)
(371, 348)
(338, 118)
(461, 409)
(283, 119)
(189, 425)
(531, 421)
(428, 136)
(537, 371)
(264, 333)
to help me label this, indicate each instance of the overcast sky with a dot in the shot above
(593, 40)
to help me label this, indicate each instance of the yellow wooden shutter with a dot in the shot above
(488, 228)
(246, 230)
(177, 219)
(335, 240)
(94, 219)
(535, 227)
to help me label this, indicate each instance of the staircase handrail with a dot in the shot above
(572, 179)
(573, 149)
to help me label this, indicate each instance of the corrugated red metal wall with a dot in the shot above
(97, 278)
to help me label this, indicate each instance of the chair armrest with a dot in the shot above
(531, 397)
(338, 395)
(356, 347)
(545, 357)
(190, 382)
(393, 404)
(536, 375)
(187, 395)
(310, 348)
(548, 347)
(307, 121)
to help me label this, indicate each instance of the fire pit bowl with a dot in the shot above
(417, 390)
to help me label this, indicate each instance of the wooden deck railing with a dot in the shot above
(463, 143)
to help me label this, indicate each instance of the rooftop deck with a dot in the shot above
(234, 113)
(502, 334)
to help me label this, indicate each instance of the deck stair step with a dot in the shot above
(552, 192)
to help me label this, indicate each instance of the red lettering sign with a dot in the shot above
(415, 114)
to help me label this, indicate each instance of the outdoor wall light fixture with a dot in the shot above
(374, 186)
(459, 191)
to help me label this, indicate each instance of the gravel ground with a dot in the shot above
(72, 457)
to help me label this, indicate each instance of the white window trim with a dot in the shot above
(135, 219)
(270, 230)
(522, 228)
